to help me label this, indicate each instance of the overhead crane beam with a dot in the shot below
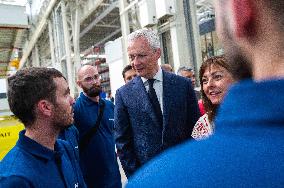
(99, 18)
(39, 30)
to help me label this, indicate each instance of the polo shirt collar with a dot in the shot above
(36, 149)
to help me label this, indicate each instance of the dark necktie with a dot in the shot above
(155, 102)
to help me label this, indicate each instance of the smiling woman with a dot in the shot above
(216, 76)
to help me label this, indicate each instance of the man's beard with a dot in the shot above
(94, 91)
(62, 119)
(240, 64)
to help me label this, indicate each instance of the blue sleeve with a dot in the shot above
(73, 156)
(71, 135)
(14, 182)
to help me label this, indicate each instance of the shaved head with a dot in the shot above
(84, 69)
(88, 79)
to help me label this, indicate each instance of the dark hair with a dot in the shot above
(126, 68)
(27, 87)
(233, 69)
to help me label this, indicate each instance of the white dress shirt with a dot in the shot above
(158, 86)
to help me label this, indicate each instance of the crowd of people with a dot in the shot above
(164, 131)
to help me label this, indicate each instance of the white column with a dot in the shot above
(67, 48)
(196, 35)
(76, 43)
(35, 56)
(124, 29)
(175, 46)
(51, 42)
(76, 35)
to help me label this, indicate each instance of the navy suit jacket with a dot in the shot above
(139, 136)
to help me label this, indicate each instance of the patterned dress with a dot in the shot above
(202, 128)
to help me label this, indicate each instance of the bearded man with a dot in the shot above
(40, 98)
(96, 141)
(247, 148)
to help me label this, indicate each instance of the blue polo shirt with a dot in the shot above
(30, 164)
(98, 160)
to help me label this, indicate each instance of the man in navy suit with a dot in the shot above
(148, 122)
(247, 148)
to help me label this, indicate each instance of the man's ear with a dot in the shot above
(44, 107)
(78, 83)
(244, 17)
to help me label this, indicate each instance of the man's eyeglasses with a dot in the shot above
(94, 78)
(137, 56)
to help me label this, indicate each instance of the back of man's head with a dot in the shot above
(167, 67)
(27, 87)
(252, 33)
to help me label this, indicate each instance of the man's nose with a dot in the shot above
(134, 63)
(136, 60)
(211, 82)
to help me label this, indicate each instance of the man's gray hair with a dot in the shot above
(184, 68)
(148, 34)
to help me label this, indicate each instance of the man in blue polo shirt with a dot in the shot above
(40, 98)
(97, 155)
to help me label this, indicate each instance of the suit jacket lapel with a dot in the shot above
(142, 97)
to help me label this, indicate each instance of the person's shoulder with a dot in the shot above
(176, 78)
(78, 101)
(16, 162)
(70, 132)
(12, 156)
(62, 143)
(179, 166)
(129, 86)
(168, 163)
(72, 129)
(14, 182)
(108, 103)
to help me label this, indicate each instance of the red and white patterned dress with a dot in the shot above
(202, 128)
